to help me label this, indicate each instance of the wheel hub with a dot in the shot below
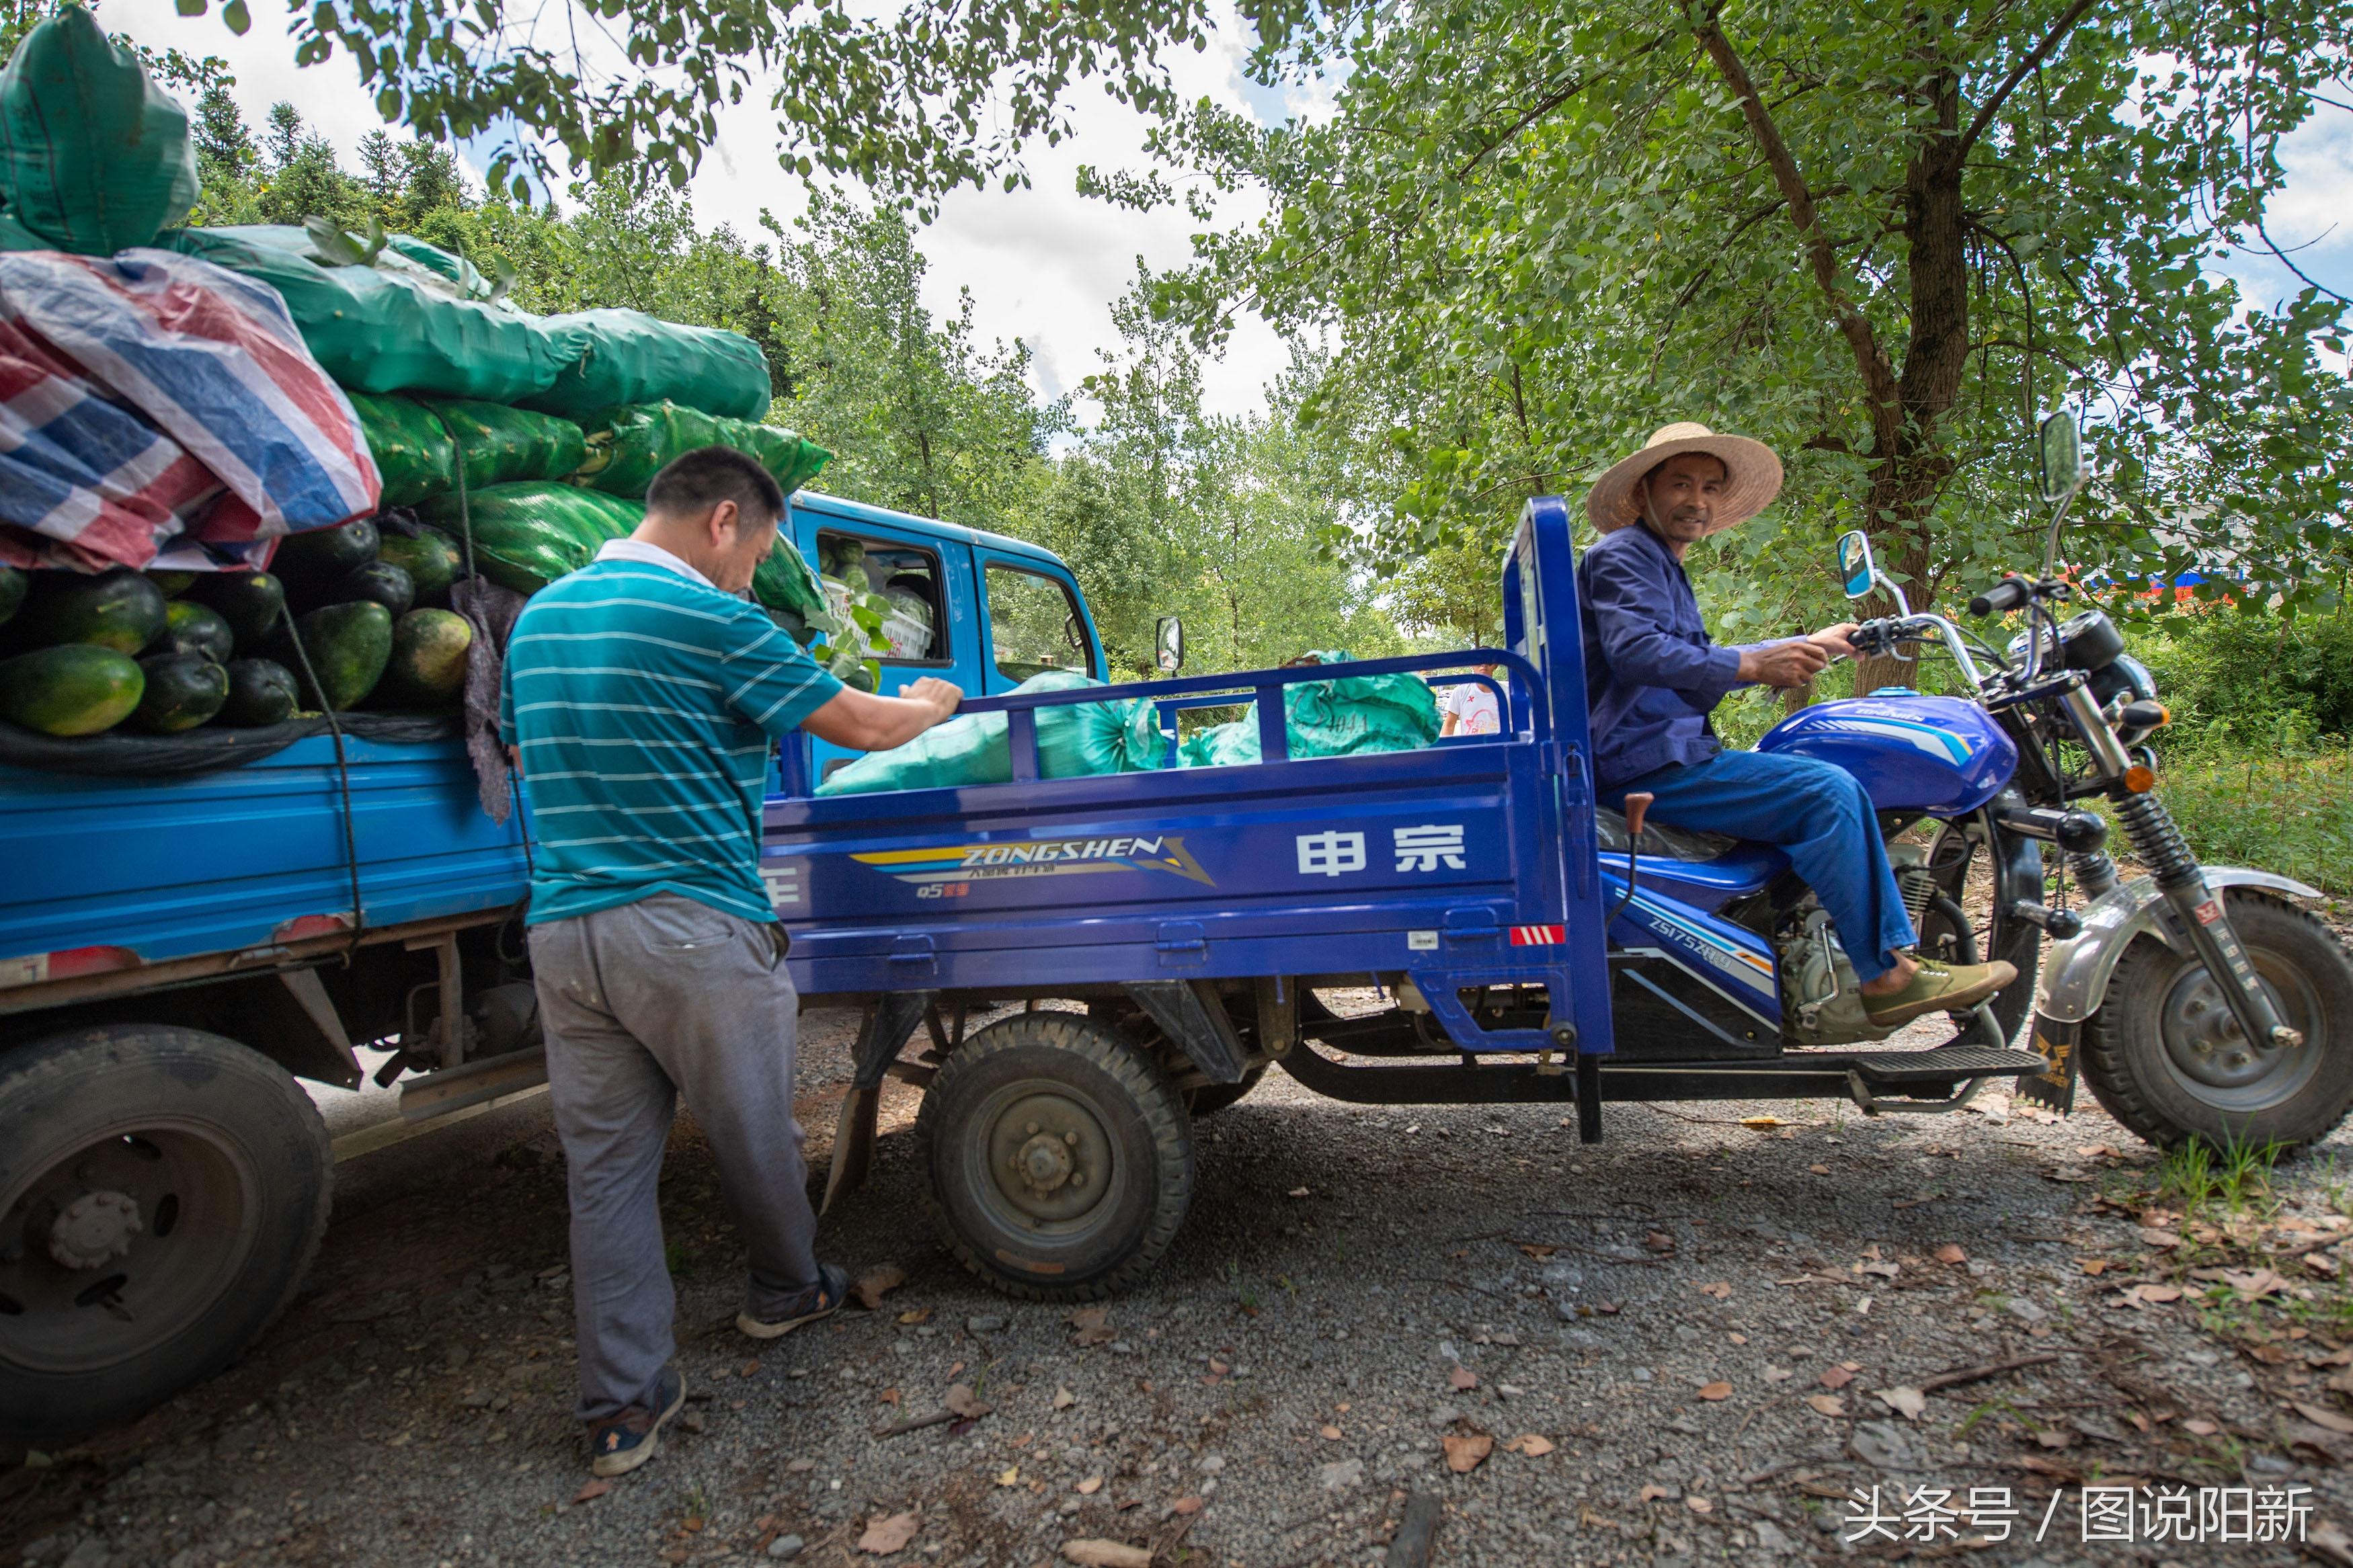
(2203, 1036)
(1049, 1158)
(94, 1229)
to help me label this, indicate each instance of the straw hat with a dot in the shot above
(1752, 477)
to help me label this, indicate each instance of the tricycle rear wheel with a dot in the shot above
(1060, 1156)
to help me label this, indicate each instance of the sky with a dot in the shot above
(1043, 264)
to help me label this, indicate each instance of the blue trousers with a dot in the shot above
(1819, 813)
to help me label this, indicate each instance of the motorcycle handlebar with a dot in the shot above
(2003, 596)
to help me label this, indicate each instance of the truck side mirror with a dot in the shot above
(1168, 644)
(1857, 571)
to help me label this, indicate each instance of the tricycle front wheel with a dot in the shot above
(1060, 1156)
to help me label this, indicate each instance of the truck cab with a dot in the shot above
(978, 608)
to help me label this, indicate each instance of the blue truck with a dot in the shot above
(175, 954)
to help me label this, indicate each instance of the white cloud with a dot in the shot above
(1044, 264)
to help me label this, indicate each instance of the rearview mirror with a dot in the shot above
(1168, 644)
(1857, 572)
(2059, 456)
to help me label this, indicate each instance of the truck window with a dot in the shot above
(1034, 623)
(907, 576)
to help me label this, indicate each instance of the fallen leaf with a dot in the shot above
(1092, 1326)
(1659, 1241)
(2321, 1264)
(885, 1536)
(1720, 1289)
(1762, 1122)
(877, 1282)
(2254, 1284)
(1778, 1375)
(1534, 1445)
(1826, 1404)
(2199, 1427)
(1655, 1493)
(2058, 1437)
(1835, 1377)
(592, 1492)
(1820, 1170)
(1537, 1250)
(1909, 1403)
(1698, 1504)
(964, 1402)
(1461, 1378)
(1329, 1432)
(1949, 1253)
(1024, 1440)
(1093, 1553)
(1715, 1391)
(1009, 1476)
(1881, 1270)
(1465, 1454)
(915, 1315)
(2154, 1237)
(2092, 1264)
(1298, 1191)
(1091, 1486)
(1187, 1505)
(2322, 1416)
(1064, 1399)
(2156, 1294)
(888, 1396)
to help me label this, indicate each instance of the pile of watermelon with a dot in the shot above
(349, 618)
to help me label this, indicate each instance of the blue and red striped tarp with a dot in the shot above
(157, 409)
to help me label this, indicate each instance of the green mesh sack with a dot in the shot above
(412, 449)
(1358, 714)
(94, 157)
(1079, 741)
(1224, 745)
(375, 329)
(627, 356)
(628, 447)
(528, 535)
(506, 446)
(785, 582)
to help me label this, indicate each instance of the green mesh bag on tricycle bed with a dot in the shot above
(1348, 717)
(418, 444)
(527, 535)
(1075, 741)
(628, 447)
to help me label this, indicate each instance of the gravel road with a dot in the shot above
(1693, 1342)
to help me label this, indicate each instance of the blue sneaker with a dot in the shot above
(621, 1443)
(822, 1299)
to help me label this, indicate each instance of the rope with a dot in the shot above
(343, 779)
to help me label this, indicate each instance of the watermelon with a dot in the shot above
(118, 610)
(249, 601)
(427, 668)
(184, 690)
(193, 628)
(309, 563)
(12, 593)
(260, 691)
(379, 583)
(349, 644)
(173, 583)
(430, 559)
(75, 689)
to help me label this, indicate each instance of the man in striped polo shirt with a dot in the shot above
(643, 697)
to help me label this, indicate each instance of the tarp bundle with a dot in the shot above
(1344, 718)
(418, 445)
(135, 389)
(399, 325)
(626, 447)
(1074, 740)
(94, 157)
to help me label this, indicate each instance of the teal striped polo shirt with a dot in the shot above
(644, 703)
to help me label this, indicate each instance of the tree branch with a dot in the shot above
(2018, 73)
(1878, 378)
(1550, 101)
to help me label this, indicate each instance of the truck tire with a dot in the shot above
(2165, 1058)
(1060, 1157)
(162, 1192)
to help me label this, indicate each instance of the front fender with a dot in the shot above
(2075, 976)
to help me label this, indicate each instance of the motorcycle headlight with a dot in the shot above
(2125, 676)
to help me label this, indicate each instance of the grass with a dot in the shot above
(2289, 812)
(2232, 1178)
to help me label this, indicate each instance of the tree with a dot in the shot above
(1878, 237)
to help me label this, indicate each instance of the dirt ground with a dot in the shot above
(1749, 1330)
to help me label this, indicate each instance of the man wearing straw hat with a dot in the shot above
(1653, 675)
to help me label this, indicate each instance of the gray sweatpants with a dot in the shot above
(639, 1003)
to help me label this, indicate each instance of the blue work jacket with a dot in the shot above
(1652, 673)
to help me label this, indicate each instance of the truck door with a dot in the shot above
(932, 626)
(1036, 621)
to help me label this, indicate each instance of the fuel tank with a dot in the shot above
(1911, 752)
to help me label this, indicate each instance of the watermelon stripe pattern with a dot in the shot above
(137, 387)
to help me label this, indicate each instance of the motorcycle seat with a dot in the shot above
(1660, 841)
(1706, 870)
